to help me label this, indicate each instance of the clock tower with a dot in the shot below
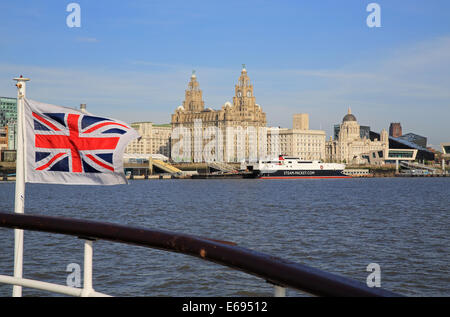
(193, 99)
(243, 99)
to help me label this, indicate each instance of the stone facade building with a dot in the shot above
(3, 138)
(230, 134)
(155, 139)
(350, 148)
(298, 142)
(161, 139)
(300, 121)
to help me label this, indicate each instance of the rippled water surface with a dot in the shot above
(339, 226)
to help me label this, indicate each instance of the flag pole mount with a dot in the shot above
(19, 203)
(21, 85)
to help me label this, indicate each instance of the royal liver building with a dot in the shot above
(235, 133)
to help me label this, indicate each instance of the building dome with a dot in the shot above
(349, 116)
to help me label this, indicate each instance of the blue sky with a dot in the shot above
(132, 59)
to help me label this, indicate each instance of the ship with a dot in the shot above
(287, 167)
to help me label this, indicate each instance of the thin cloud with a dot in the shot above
(87, 39)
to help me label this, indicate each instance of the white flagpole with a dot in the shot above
(20, 182)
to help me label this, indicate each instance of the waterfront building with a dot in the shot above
(155, 139)
(8, 118)
(349, 147)
(395, 129)
(364, 131)
(415, 138)
(390, 156)
(300, 121)
(236, 130)
(161, 136)
(299, 141)
(3, 138)
(401, 150)
(446, 149)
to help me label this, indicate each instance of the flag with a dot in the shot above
(67, 146)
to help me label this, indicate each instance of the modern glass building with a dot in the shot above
(8, 118)
(415, 138)
(390, 156)
(399, 144)
(446, 149)
(401, 154)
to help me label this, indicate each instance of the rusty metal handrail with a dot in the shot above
(274, 270)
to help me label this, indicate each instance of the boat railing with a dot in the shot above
(279, 272)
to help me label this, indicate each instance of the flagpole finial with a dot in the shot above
(21, 78)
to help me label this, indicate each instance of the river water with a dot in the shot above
(337, 225)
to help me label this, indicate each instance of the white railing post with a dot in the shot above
(19, 203)
(280, 291)
(87, 280)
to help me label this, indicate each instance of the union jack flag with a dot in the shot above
(67, 141)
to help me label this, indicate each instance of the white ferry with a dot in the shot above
(294, 167)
